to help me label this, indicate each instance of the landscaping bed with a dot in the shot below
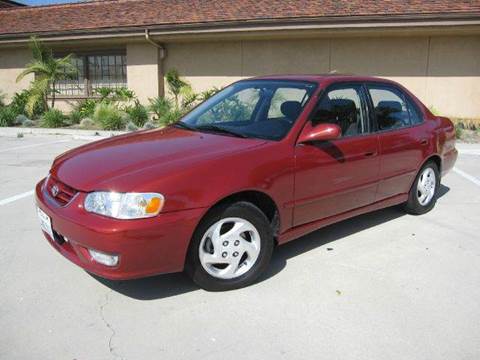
(467, 130)
(109, 108)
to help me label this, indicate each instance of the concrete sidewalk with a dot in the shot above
(14, 131)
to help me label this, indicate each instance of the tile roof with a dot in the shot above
(108, 14)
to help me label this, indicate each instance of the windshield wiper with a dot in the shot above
(219, 129)
(182, 125)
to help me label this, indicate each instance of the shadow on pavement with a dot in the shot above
(163, 286)
(151, 288)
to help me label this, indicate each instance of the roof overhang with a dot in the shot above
(362, 25)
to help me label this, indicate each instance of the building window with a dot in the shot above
(76, 85)
(95, 71)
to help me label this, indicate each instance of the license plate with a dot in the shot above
(45, 222)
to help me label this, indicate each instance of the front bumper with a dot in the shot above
(145, 246)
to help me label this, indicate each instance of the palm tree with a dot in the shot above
(48, 71)
(177, 85)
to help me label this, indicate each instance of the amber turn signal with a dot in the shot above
(153, 206)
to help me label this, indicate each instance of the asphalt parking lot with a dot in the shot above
(380, 286)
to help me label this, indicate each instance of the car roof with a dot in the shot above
(320, 78)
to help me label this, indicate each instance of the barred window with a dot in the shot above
(107, 71)
(95, 71)
(73, 85)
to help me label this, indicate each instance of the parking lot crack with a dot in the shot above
(111, 348)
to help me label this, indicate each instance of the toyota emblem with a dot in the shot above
(55, 190)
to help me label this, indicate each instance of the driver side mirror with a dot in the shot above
(320, 132)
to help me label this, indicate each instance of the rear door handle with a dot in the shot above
(371, 153)
(424, 142)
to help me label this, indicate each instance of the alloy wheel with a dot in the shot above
(426, 186)
(229, 248)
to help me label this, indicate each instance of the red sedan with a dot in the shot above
(263, 162)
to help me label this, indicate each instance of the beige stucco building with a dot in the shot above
(436, 54)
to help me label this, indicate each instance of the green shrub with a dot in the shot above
(207, 94)
(138, 114)
(20, 119)
(170, 117)
(88, 124)
(458, 132)
(7, 116)
(189, 99)
(131, 126)
(29, 123)
(160, 106)
(105, 93)
(85, 108)
(149, 125)
(19, 103)
(2, 99)
(124, 94)
(53, 118)
(433, 110)
(165, 111)
(121, 94)
(467, 124)
(75, 117)
(109, 117)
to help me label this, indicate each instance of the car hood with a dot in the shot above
(124, 162)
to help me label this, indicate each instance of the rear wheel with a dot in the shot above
(424, 191)
(231, 247)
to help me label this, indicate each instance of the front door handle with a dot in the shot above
(370, 153)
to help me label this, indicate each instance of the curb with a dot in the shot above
(96, 134)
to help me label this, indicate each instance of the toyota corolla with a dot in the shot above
(262, 162)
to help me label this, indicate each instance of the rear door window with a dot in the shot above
(390, 107)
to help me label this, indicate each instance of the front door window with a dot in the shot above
(343, 107)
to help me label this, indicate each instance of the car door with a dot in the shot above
(337, 176)
(402, 137)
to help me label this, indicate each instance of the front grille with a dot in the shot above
(59, 191)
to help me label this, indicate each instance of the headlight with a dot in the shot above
(124, 205)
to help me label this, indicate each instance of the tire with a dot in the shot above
(422, 199)
(230, 248)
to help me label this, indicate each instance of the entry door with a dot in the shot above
(334, 177)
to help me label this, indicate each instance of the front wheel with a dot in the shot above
(231, 247)
(424, 191)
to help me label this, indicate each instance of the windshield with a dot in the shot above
(264, 109)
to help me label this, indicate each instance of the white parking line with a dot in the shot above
(467, 176)
(33, 145)
(16, 197)
(469, 151)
